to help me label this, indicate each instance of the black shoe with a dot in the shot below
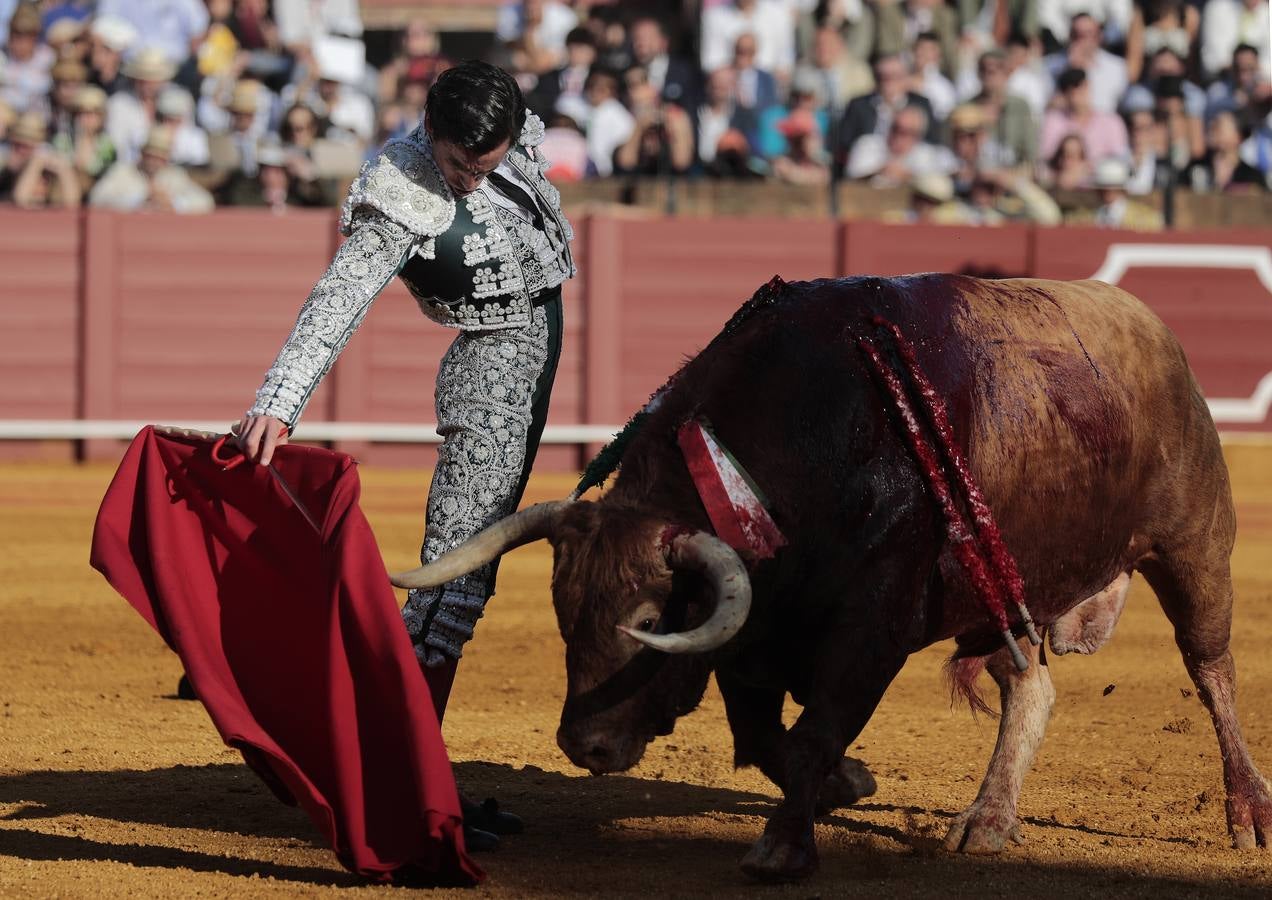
(478, 841)
(487, 816)
(185, 690)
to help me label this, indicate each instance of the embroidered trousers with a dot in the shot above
(493, 390)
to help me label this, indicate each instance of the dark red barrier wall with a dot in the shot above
(165, 318)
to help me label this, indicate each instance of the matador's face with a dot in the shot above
(465, 170)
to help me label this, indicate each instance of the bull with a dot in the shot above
(1083, 429)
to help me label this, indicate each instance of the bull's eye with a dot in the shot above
(646, 625)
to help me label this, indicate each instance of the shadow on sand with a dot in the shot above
(613, 835)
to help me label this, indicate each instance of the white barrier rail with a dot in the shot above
(382, 432)
(83, 429)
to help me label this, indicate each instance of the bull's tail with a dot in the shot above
(962, 673)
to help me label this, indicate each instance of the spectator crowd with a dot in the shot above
(986, 110)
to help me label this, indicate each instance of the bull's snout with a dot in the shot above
(594, 750)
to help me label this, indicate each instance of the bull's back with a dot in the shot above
(1073, 402)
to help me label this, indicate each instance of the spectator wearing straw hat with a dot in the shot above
(87, 144)
(1116, 209)
(130, 113)
(152, 182)
(67, 37)
(234, 150)
(175, 109)
(29, 61)
(69, 75)
(109, 39)
(931, 202)
(25, 139)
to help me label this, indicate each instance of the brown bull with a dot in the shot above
(1086, 433)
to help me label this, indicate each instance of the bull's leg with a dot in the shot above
(1027, 698)
(755, 718)
(811, 752)
(1194, 586)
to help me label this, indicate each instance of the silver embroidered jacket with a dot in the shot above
(472, 264)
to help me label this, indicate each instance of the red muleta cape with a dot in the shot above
(292, 640)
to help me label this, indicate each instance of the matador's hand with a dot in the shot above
(259, 436)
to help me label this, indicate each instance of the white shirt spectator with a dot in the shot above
(301, 22)
(607, 126)
(1114, 15)
(557, 21)
(1227, 23)
(169, 25)
(870, 155)
(128, 124)
(768, 20)
(1106, 75)
(711, 127)
(939, 92)
(26, 84)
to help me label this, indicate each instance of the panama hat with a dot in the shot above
(968, 117)
(90, 98)
(25, 20)
(1111, 173)
(116, 33)
(174, 103)
(69, 70)
(246, 98)
(29, 128)
(150, 65)
(934, 186)
(159, 141)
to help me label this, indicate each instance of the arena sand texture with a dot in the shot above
(111, 787)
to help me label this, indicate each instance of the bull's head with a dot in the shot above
(638, 601)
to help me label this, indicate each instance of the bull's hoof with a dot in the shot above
(848, 783)
(984, 827)
(1250, 816)
(775, 859)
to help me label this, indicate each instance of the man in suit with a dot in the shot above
(570, 79)
(675, 76)
(756, 88)
(873, 113)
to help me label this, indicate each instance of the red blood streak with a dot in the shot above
(965, 548)
(1003, 562)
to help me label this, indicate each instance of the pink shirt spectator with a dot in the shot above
(1104, 134)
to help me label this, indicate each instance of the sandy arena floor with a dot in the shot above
(111, 787)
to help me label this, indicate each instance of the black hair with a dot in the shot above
(475, 105)
(1070, 79)
(580, 36)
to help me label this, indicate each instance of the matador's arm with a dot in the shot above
(375, 252)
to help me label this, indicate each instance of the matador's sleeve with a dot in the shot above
(376, 250)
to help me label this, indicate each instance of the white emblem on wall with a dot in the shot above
(1122, 257)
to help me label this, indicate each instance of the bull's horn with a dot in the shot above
(531, 524)
(730, 585)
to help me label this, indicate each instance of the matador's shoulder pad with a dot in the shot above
(403, 184)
